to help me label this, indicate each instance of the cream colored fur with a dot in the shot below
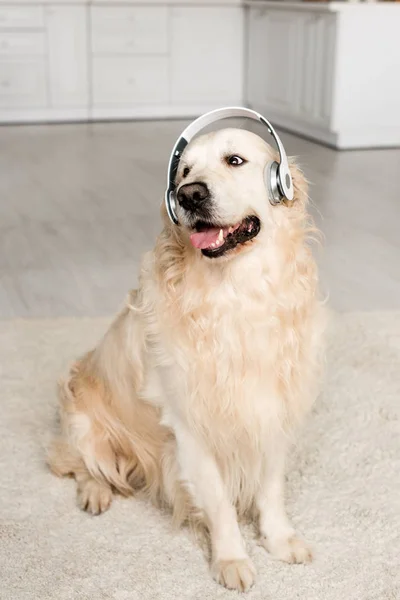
(194, 393)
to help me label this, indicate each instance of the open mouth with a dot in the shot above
(215, 240)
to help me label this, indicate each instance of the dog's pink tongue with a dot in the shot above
(204, 239)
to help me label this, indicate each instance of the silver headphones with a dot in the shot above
(277, 177)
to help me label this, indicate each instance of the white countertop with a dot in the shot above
(170, 2)
(381, 7)
(390, 7)
(129, 2)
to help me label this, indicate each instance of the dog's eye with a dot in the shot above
(186, 172)
(235, 160)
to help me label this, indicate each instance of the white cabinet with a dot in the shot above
(20, 16)
(327, 70)
(100, 59)
(129, 29)
(22, 84)
(130, 81)
(22, 43)
(290, 64)
(67, 56)
(22, 59)
(43, 63)
(315, 64)
(130, 62)
(206, 55)
(272, 55)
(165, 60)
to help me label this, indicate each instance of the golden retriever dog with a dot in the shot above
(194, 392)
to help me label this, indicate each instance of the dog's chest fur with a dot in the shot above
(233, 357)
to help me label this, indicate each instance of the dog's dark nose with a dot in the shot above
(192, 195)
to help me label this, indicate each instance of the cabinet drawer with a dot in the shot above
(128, 80)
(22, 83)
(29, 17)
(17, 43)
(125, 30)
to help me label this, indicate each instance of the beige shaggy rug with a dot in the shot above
(343, 486)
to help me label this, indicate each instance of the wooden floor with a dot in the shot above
(80, 203)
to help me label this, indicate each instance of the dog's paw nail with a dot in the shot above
(234, 574)
(292, 550)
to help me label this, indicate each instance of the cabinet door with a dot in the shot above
(23, 83)
(130, 80)
(67, 55)
(129, 29)
(272, 60)
(291, 64)
(316, 62)
(206, 56)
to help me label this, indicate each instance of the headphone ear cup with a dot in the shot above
(271, 182)
(171, 206)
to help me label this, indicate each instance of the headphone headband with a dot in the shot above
(284, 179)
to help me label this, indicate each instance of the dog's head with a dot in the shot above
(222, 199)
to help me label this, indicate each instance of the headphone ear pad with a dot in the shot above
(271, 182)
(171, 206)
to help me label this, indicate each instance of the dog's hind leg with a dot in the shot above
(87, 448)
(110, 440)
(93, 496)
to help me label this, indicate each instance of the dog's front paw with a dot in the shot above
(234, 574)
(94, 497)
(291, 550)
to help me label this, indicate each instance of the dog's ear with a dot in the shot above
(300, 185)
